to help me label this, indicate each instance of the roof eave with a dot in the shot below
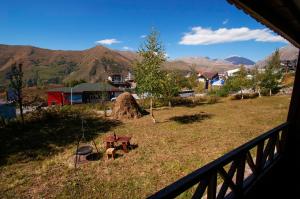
(240, 5)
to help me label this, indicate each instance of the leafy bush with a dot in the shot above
(212, 99)
(223, 92)
(199, 100)
(246, 96)
(180, 101)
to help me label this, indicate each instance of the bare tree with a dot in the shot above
(16, 84)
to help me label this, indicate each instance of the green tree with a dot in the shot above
(243, 82)
(181, 80)
(272, 75)
(256, 81)
(200, 87)
(192, 79)
(170, 87)
(147, 71)
(239, 82)
(16, 84)
(274, 61)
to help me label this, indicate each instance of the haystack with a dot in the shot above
(126, 107)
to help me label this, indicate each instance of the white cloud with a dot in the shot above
(233, 55)
(143, 36)
(225, 21)
(206, 36)
(107, 41)
(127, 48)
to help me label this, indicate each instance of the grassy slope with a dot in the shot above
(183, 140)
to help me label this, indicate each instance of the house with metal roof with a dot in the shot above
(208, 78)
(82, 93)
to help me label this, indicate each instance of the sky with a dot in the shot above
(212, 28)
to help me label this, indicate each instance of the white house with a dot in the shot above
(232, 72)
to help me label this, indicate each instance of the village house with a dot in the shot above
(120, 81)
(288, 65)
(208, 78)
(82, 93)
(232, 72)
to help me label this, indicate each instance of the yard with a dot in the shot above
(37, 162)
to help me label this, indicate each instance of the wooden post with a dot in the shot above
(294, 110)
(292, 148)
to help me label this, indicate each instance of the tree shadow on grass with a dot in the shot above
(188, 119)
(47, 135)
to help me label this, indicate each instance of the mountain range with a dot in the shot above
(237, 60)
(288, 52)
(97, 63)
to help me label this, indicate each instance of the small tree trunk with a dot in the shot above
(170, 104)
(21, 109)
(105, 111)
(259, 94)
(151, 110)
(270, 92)
(242, 94)
(3, 121)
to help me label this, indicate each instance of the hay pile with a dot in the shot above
(126, 107)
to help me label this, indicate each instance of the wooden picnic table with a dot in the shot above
(111, 140)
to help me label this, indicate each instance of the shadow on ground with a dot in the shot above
(188, 119)
(94, 156)
(47, 135)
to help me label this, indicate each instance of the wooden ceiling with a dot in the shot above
(282, 16)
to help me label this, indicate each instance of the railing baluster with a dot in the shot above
(251, 162)
(212, 186)
(259, 156)
(272, 150)
(227, 181)
(268, 150)
(277, 145)
(283, 139)
(200, 189)
(240, 174)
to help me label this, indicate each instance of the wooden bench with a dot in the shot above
(111, 152)
(111, 140)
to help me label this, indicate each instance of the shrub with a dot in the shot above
(180, 101)
(246, 96)
(223, 92)
(212, 99)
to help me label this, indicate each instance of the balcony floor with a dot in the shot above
(282, 181)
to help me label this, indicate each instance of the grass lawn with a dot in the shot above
(37, 162)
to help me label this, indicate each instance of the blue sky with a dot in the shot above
(188, 28)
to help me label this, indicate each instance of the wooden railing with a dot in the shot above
(233, 174)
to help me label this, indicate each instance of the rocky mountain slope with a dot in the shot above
(95, 64)
(288, 52)
(54, 66)
(207, 64)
